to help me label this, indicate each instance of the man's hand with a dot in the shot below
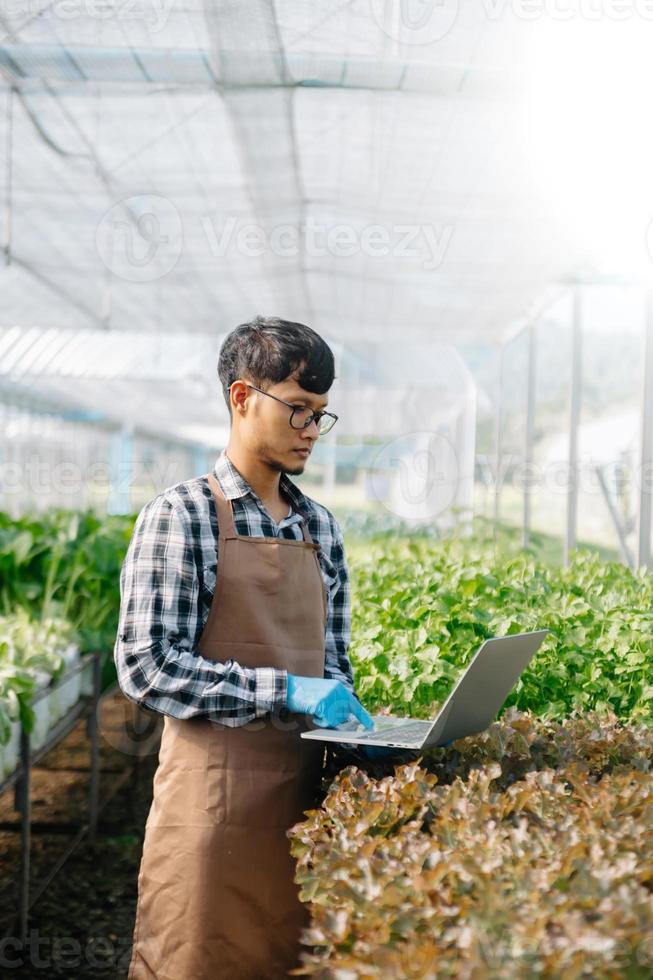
(328, 701)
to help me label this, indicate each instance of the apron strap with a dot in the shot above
(305, 532)
(225, 513)
(223, 509)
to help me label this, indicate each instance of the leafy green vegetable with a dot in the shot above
(31, 656)
(421, 608)
(66, 564)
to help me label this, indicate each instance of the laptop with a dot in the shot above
(470, 708)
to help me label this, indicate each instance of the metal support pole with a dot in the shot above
(121, 463)
(646, 447)
(499, 440)
(92, 729)
(6, 245)
(24, 805)
(329, 479)
(330, 451)
(530, 431)
(616, 518)
(574, 422)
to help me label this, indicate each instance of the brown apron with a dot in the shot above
(216, 895)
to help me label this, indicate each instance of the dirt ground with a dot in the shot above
(81, 926)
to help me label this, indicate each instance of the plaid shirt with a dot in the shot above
(167, 582)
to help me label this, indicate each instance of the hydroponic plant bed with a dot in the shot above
(525, 850)
(42, 676)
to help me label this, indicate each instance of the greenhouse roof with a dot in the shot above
(175, 170)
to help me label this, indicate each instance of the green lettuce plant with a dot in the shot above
(421, 608)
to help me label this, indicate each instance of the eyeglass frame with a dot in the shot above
(314, 416)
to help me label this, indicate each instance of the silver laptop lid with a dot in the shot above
(480, 692)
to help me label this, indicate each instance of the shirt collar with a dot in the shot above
(234, 485)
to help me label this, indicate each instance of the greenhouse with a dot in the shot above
(434, 222)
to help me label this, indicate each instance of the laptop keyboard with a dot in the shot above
(411, 730)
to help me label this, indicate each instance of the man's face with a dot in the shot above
(266, 428)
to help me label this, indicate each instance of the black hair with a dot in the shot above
(267, 349)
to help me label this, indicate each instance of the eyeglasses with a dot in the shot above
(301, 417)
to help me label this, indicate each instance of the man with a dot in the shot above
(235, 625)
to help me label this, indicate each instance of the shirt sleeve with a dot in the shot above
(337, 665)
(157, 662)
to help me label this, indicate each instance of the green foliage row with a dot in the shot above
(421, 608)
(66, 564)
(526, 850)
(30, 655)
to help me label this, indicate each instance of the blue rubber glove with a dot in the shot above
(328, 701)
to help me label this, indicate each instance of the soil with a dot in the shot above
(81, 926)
